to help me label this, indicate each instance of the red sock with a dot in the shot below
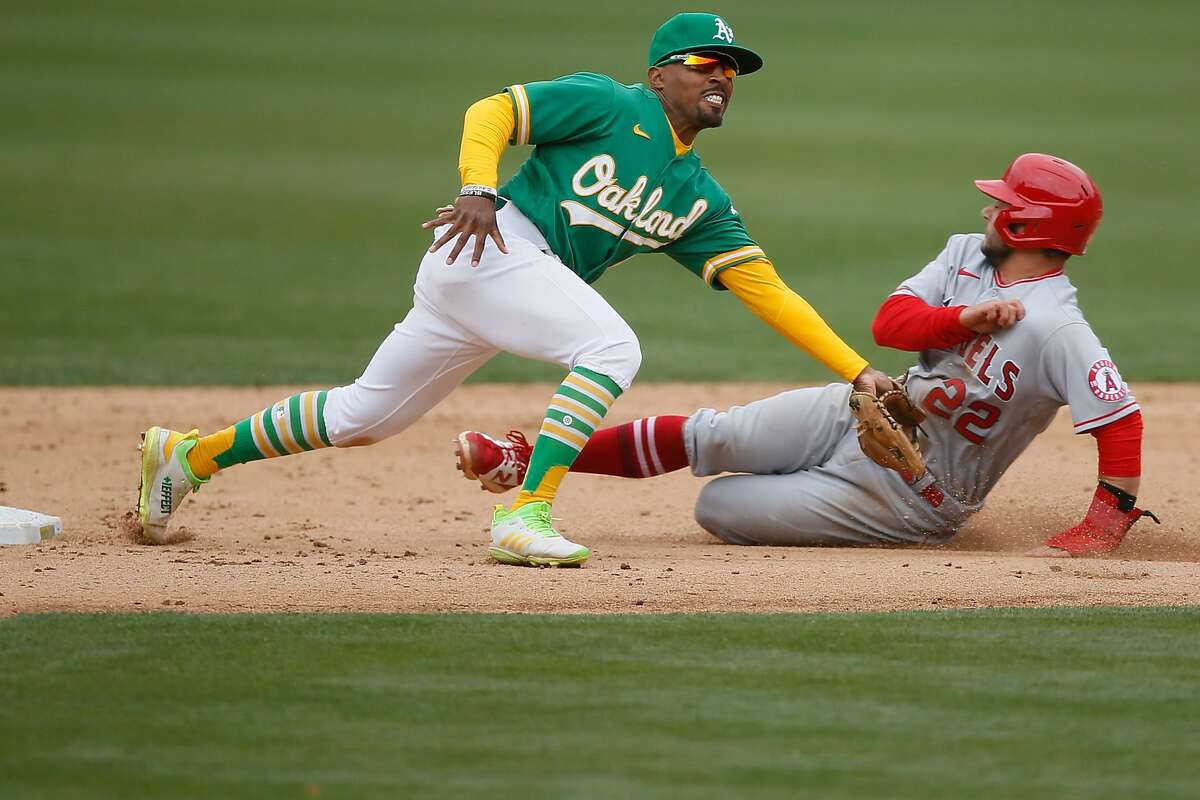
(639, 449)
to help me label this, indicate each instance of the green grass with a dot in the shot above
(999, 703)
(229, 192)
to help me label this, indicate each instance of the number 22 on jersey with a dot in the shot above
(972, 424)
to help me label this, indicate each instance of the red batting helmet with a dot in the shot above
(1055, 201)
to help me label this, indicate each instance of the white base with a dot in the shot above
(18, 526)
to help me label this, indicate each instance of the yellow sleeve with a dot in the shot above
(761, 289)
(487, 128)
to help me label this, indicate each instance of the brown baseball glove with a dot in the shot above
(887, 431)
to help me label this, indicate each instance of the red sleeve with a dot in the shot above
(905, 322)
(1120, 446)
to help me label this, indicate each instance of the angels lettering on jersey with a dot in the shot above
(984, 358)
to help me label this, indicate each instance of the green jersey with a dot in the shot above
(604, 182)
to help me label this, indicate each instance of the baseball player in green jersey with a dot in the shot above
(613, 174)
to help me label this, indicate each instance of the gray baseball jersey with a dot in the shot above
(987, 399)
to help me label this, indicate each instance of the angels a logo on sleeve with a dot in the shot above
(1105, 381)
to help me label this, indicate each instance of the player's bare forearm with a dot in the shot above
(1130, 485)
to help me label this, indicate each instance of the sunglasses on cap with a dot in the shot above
(698, 60)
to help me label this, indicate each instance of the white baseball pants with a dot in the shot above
(526, 302)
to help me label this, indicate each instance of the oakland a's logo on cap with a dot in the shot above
(723, 31)
(695, 32)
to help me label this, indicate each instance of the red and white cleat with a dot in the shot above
(498, 466)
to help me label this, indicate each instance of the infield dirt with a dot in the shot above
(394, 527)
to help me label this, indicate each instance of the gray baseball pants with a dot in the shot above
(805, 480)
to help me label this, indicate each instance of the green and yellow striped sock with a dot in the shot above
(292, 425)
(575, 412)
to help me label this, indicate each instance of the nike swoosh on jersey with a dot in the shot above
(963, 271)
(637, 129)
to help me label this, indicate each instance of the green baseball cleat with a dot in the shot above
(526, 538)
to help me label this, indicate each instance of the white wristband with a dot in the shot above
(477, 190)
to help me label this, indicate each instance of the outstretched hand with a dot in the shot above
(468, 217)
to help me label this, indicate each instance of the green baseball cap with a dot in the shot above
(694, 32)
